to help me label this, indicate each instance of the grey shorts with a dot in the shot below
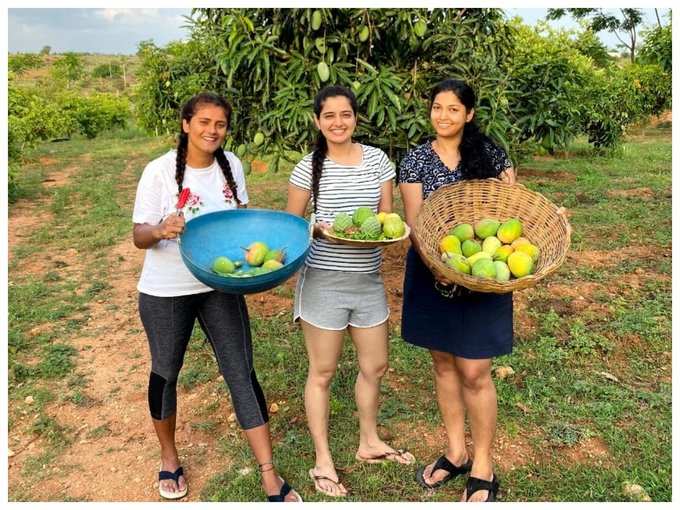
(337, 299)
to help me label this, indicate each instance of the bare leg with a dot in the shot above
(479, 395)
(323, 350)
(372, 351)
(450, 401)
(165, 430)
(260, 443)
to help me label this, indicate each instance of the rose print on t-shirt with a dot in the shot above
(193, 204)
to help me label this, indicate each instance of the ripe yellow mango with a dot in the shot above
(509, 231)
(450, 244)
(503, 252)
(531, 250)
(519, 241)
(520, 264)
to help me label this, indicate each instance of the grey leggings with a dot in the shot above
(169, 321)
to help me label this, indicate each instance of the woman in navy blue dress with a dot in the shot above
(463, 330)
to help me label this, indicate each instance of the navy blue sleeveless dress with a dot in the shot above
(467, 324)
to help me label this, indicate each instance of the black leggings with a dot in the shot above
(169, 321)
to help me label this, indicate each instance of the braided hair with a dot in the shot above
(321, 146)
(477, 163)
(188, 111)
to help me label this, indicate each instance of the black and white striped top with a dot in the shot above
(344, 188)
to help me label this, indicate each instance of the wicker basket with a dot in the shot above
(544, 224)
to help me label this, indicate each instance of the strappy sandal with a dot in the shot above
(285, 487)
(474, 484)
(446, 465)
(387, 457)
(169, 475)
(317, 486)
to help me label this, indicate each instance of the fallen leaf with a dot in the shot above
(503, 372)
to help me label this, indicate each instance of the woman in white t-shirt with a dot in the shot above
(340, 287)
(171, 299)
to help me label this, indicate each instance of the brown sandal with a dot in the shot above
(387, 457)
(317, 486)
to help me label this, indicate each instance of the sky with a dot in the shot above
(119, 31)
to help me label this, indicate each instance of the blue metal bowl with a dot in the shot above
(225, 233)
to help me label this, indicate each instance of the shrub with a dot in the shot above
(20, 62)
(96, 113)
(110, 70)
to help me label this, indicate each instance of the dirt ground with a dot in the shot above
(122, 464)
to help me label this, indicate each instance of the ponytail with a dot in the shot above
(474, 154)
(181, 160)
(221, 158)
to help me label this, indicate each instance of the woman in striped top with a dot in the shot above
(340, 287)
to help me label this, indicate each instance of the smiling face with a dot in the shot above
(337, 120)
(448, 115)
(207, 129)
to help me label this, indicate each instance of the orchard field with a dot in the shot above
(587, 410)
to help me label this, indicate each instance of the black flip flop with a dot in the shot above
(445, 464)
(281, 496)
(169, 475)
(474, 484)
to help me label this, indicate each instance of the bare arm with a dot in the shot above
(508, 175)
(298, 199)
(385, 204)
(412, 196)
(145, 235)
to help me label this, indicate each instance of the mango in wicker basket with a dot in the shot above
(457, 262)
(450, 244)
(486, 227)
(463, 232)
(503, 252)
(490, 245)
(518, 242)
(520, 264)
(484, 268)
(478, 256)
(502, 271)
(470, 247)
(509, 231)
(531, 250)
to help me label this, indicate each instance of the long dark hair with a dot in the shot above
(476, 163)
(188, 111)
(321, 147)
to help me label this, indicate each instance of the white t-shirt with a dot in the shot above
(344, 188)
(164, 274)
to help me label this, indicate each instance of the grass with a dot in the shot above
(590, 371)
